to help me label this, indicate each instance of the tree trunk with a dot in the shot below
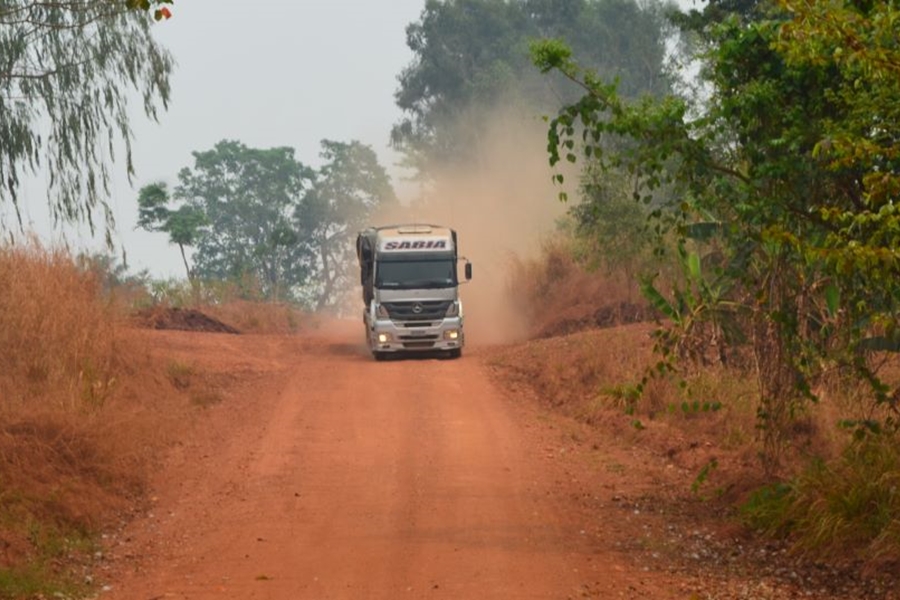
(326, 292)
(192, 279)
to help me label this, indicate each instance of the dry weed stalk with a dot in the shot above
(56, 335)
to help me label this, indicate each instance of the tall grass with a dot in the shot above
(56, 334)
(846, 509)
(60, 472)
(559, 292)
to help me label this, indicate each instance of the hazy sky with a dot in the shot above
(267, 73)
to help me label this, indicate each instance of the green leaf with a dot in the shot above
(833, 299)
(693, 263)
(702, 231)
(880, 344)
(658, 301)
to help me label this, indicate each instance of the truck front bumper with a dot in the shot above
(391, 336)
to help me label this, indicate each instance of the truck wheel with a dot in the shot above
(379, 356)
(455, 353)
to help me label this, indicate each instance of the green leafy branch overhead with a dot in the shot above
(67, 72)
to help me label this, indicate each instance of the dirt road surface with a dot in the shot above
(327, 475)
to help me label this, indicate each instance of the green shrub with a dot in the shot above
(849, 508)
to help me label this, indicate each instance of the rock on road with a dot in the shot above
(335, 476)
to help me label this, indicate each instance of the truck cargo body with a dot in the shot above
(411, 289)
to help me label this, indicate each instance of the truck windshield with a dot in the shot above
(416, 273)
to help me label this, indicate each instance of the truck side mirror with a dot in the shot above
(468, 271)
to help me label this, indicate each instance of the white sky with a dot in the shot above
(266, 73)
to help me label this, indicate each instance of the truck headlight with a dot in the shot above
(452, 334)
(384, 338)
(453, 310)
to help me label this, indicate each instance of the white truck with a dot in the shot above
(410, 289)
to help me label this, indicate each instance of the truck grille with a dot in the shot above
(418, 345)
(422, 310)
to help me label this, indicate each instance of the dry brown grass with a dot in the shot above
(593, 376)
(88, 402)
(559, 295)
(588, 372)
(261, 317)
(56, 336)
(81, 413)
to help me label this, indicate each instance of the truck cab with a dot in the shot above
(411, 289)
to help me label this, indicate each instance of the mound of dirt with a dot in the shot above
(181, 319)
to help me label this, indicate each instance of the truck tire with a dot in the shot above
(455, 353)
(380, 356)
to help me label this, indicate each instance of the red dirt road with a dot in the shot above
(327, 475)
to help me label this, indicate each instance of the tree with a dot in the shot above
(248, 197)
(264, 220)
(471, 57)
(790, 168)
(348, 188)
(464, 55)
(66, 70)
(612, 227)
(184, 224)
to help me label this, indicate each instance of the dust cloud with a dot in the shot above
(502, 208)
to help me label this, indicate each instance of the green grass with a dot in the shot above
(846, 508)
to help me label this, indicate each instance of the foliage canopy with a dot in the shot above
(471, 57)
(264, 220)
